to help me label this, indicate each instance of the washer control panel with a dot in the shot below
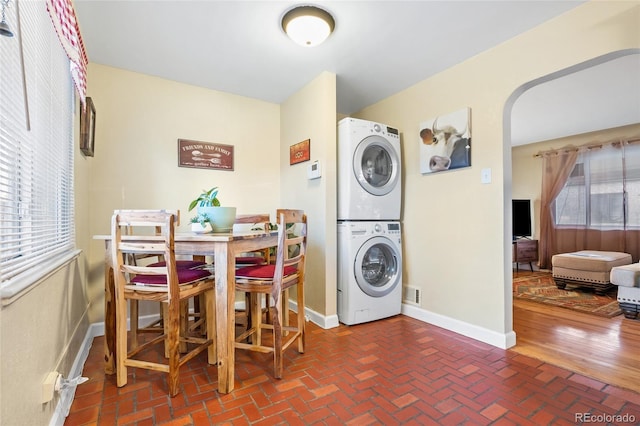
(386, 228)
(359, 229)
(393, 228)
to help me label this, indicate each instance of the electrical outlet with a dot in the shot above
(48, 387)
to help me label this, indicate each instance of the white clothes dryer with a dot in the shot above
(369, 271)
(369, 171)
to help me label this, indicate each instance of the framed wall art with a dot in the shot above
(205, 155)
(88, 128)
(445, 142)
(300, 152)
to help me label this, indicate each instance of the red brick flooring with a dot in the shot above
(389, 372)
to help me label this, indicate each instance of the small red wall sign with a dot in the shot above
(300, 152)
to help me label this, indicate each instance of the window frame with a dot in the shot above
(584, 170)
(37, 228)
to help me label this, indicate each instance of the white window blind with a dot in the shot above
(36, 165)
(603, 190)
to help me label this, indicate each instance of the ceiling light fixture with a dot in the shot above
(4, 27)
(308, 25)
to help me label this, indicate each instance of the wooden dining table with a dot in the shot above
(223, 247)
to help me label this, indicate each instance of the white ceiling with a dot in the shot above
(378, 48)
(600, 97)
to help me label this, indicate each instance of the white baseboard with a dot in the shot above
(500, 340)
(320, 320)
(66, 396)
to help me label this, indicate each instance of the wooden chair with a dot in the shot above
(152, 260)
(260, 257)
(273, 280)
(166, 284)
(261, 220)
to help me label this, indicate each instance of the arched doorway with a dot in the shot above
(595, 117)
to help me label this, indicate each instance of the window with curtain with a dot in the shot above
(36, 141)
(602, 191)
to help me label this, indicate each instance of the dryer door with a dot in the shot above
(377, 267)
(376, 165)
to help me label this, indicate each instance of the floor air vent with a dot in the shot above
(412, 295)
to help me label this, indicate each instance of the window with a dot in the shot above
(36, 142)
(603, 190)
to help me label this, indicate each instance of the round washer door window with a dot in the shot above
(377, 267)
(375, 165)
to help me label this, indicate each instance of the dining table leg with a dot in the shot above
(225, 316)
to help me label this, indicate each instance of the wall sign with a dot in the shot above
(204, 155)
(300, 152)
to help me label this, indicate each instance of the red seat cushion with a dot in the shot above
(184, 276)
(250, 260)
(182, 264)
(263, 271)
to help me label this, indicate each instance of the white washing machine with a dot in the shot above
(369, 177)
(369, 271)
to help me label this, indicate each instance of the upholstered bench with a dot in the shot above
(587, 268)
(627, 278)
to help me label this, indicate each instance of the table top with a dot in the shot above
(196, 237)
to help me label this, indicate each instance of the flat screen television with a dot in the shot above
(521, 219)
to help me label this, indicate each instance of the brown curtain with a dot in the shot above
(620, 164)
(557, 167)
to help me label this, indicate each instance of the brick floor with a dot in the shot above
(389, 372)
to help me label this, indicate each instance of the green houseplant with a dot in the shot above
(201, 223)
(207, 203)
(206, 199)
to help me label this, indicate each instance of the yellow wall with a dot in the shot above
(310, 114)
(527, 169)
(139, 119)
(456, 245)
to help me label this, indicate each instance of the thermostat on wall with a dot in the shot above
(314, 171)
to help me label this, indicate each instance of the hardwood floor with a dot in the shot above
(606, 349)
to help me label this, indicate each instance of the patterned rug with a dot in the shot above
(540, 287)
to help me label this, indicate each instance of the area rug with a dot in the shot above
(540, 287)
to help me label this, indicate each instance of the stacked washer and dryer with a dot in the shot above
(369, 206)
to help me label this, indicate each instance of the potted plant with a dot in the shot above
(220, 218)
(206, 199)
(201, 223)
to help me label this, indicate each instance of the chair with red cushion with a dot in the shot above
(273, 280)
(157, 326)
(166, 284)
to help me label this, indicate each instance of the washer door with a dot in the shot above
(377, 267)
(376, 165)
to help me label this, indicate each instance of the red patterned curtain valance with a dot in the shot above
(64, 20)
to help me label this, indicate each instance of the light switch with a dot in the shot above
(485, 176)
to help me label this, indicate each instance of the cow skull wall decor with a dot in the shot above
(445, 142)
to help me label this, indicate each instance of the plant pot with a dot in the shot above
(222, 218)
(199, 229)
